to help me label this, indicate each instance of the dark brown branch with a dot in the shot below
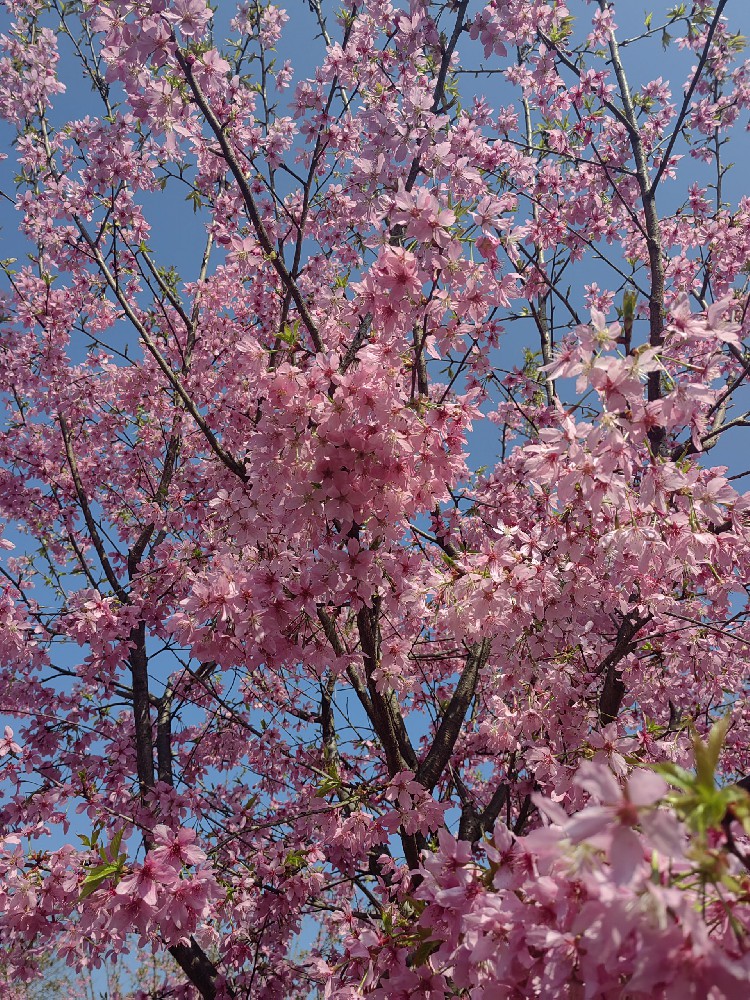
(329, 629)
(432, 767)
(197, 966)
(613, 691)
(170, 461)
(164, 288)
(144, 746)
(492, 810)
(358, 341)
(191, 958)
(420, 365)
(439, 92)
(88, 517)
(327, 722)
(228, 460)
(386, 718)
(164, 737)
(688, 95)
(627, 116)
(657, 435)
(474, 824)
(252, 209)
(527, 808)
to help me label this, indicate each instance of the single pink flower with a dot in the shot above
(8, 744)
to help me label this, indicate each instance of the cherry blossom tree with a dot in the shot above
(373, 614)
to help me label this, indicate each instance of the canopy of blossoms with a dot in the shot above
(374, 552)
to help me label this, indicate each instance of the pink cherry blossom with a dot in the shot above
(375, 536)
(7, 744)
(148, 880)
(176, 849)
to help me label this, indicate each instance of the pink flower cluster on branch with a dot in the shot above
(374, 553)
(610, 900)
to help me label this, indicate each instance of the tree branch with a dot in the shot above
(247, 196)
(88, 517)
(613, 691)
(228, 460)
(432, 767)
(439, 92)
(688, 95)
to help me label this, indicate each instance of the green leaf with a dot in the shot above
(559, 34)
(448, 560)
(707, 754)
(423, 952)
(331, 783)
(675, 775)
(114, 846)
(737, 43)
(629, 302)
(738, 801)
(91, 841)
(98, 875)
(295, 860)
(289, 333)
(700, 803)
(327, 786)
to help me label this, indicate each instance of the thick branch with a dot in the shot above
(474, 824)
(613, 691)
(627, 116)
(328, 723)
(360, 338)
(432, 767)
(144, 746)
(386, 718)
(191, 958)
(492, 810)
(653, 230)
(329, 628)
(164, 737)
(197, 966)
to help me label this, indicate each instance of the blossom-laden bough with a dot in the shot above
(373, 593)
